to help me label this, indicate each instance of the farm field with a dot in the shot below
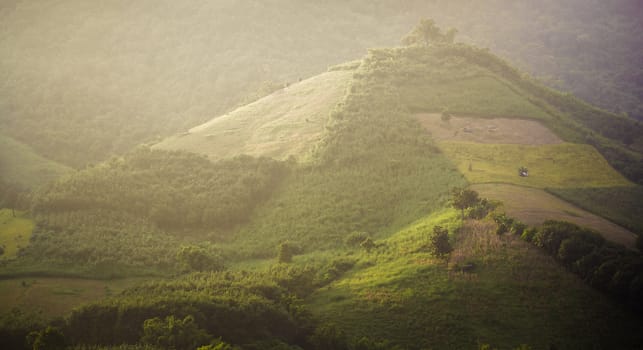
(563, 165)
(622, 205)
(287, 122)
(533, 206)
(55, 297)
(487, 130)
(14, 232)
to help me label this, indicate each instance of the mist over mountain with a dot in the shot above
(354, 175)
(83, 81)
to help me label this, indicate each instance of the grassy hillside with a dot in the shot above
(402, 293)
(286, 123)
(20, 164)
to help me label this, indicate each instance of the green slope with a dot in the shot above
(20, 164)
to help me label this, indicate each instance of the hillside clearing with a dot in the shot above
(487, 130)
(534, 206)
(14, 232)
(286, 123)
(562, 165)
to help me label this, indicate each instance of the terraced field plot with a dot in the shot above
(556, 165)
(288, 122)
(487, 130)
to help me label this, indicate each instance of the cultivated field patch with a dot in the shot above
(487, 130)
(562, 165)
(287, 122)
(533, 206)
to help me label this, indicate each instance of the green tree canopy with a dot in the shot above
(463, 198)
(174, 333)
(440, 245)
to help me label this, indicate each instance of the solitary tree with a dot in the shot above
(463, 198)
(440, 245)
(285, 253)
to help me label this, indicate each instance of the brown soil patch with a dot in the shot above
(487, 130)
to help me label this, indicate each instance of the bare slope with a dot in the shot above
(286, 123)
(487, 130)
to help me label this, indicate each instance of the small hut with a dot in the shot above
(523, 171)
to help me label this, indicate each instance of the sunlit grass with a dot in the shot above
(413, 299)
(560, 165)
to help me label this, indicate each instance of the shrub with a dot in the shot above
(50, 338)
(195, 258)
(355, 238)
(552, 234)
(529, 234)
(517, 228)
(573, 249)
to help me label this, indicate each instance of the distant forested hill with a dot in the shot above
(83, 80)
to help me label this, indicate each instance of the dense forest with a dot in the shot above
(143, 208)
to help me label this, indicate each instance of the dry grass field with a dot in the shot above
(287, 122)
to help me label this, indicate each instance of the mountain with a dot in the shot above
(334, 242)
(85, 81)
